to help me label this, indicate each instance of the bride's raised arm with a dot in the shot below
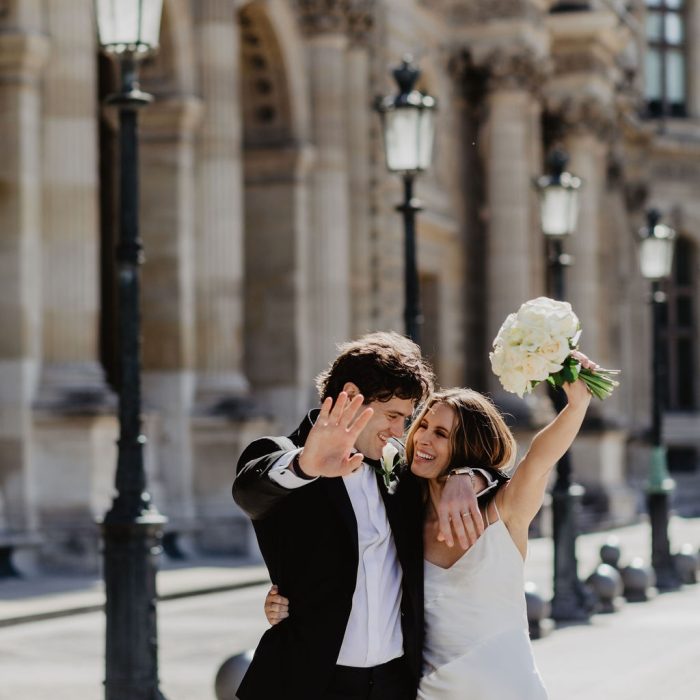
(520, 500)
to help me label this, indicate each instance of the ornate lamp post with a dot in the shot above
(559, 207)
(656, 261)
(132, 529)
(409, 133)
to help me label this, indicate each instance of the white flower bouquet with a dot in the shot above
(536, 344)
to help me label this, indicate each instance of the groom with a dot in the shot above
(348, 553)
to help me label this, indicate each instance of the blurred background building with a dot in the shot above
(270, 233)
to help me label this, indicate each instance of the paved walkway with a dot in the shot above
(45, 597)
(646, 651)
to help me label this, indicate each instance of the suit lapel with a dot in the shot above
(338, 496)
(393, 513)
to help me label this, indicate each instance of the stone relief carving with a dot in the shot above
(361, 21)
(585, 113)
(476, 11)
(336, 16)
(516, 67)
(580, 62)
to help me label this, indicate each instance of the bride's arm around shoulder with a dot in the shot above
(519, 501)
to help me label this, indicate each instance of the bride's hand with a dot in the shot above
(458, 513)
(276, 606)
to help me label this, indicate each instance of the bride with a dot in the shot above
(476, 643)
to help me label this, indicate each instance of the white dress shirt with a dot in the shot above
(373, 634)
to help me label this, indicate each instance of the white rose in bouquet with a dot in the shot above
(535, 344)
(515, 380)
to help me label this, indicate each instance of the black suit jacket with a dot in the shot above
(308, 538)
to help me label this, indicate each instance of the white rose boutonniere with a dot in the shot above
(393, 456)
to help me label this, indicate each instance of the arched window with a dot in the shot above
(679, 329)
(665, 69)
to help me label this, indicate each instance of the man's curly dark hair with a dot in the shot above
(382, 365)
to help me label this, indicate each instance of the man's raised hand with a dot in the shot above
(328, 448)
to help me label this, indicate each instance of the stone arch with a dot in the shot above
(264, 89)
(274, 111)
(269, 31)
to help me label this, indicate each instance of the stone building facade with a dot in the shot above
(270, 233)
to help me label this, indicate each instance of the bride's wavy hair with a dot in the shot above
(480, 437)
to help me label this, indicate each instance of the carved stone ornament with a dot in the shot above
(580, 62)
(361, 21)
(585, 113)
(516, 68)
(478, 11)
(335, 16)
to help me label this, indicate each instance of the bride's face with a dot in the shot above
(431, 442)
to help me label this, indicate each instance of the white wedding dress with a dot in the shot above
(477, 645)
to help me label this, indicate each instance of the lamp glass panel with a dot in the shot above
(559, 210)
(426, 136)
(150, 22)
(656, 257)
(129, 22)
(402, 141)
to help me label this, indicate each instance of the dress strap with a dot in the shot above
(486, 512)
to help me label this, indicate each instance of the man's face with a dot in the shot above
(388, 420)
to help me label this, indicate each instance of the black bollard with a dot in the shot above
(230, 675)
(606, 584)
(639, 581)
(686, 563)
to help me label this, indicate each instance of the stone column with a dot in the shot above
(219, 225)
(359, 127)
(588, 124)
(277, 327)
(73, 419)
(167, 158)
(224, 420)
(23, 53)
(325, 26)
(583, 105)
(71, 375)
(581, 99)
(509, 173)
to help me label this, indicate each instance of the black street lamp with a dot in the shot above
(559, 208)
(656, 261)
(132, 529)
(409, 134)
